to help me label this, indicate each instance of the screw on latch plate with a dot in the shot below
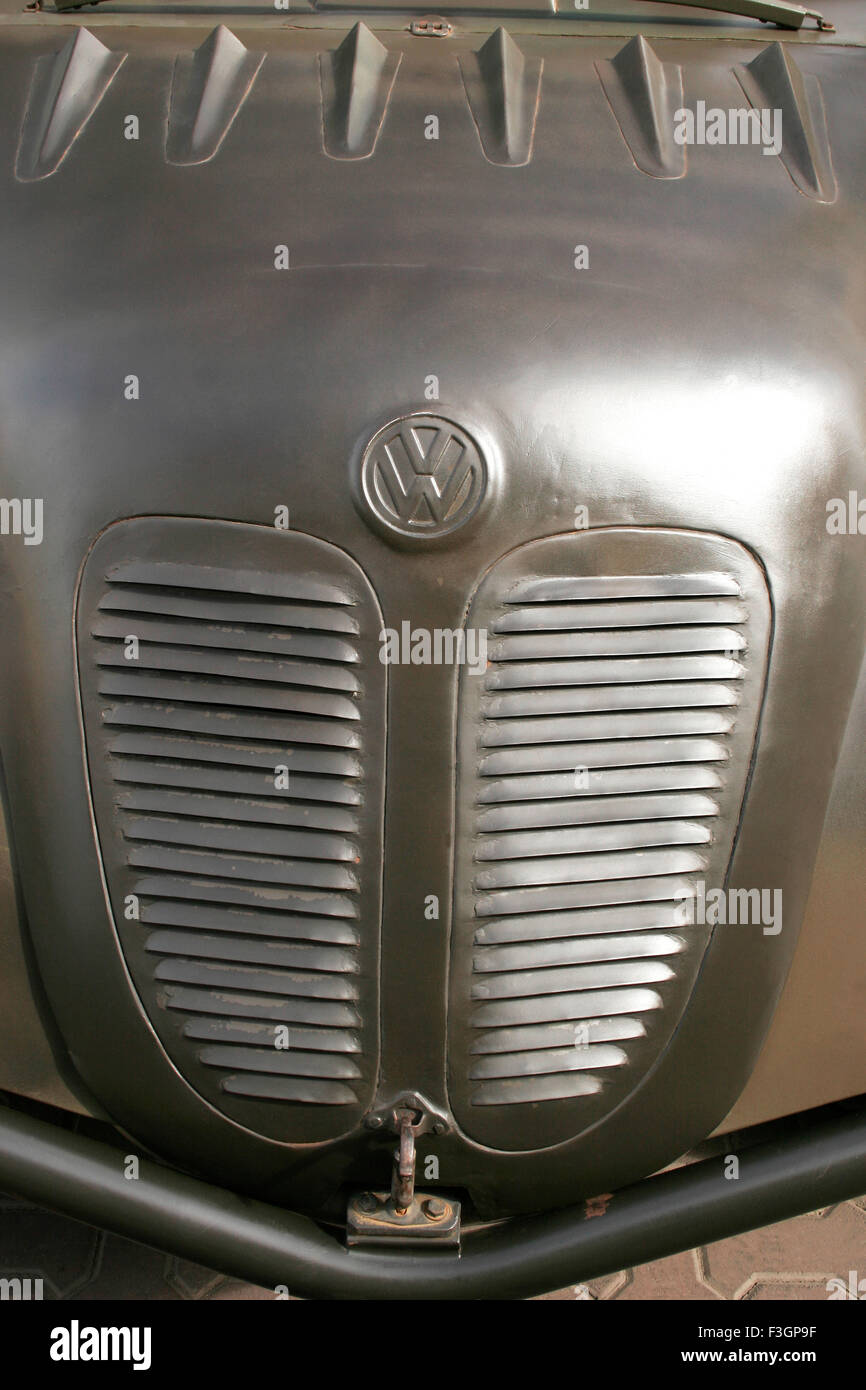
(432, 28)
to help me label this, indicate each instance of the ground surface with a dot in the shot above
(793, 1260)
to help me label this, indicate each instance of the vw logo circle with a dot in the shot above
(422, 476)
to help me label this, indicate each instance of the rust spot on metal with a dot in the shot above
(597, 1206)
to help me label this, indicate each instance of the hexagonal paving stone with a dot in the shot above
(235, 1289)
(129, 1272)
(39, 1244)
(674, 1278)
(189, 1280)
(596, 1289)
(792, 1260)
(809, 1250)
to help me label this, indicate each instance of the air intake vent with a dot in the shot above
(234, 720)
(603, 761)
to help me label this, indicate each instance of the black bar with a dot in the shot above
(816, 1161)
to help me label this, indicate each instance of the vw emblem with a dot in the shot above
(422, 476)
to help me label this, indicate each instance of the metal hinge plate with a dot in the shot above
(429, 1219)
(431, 28)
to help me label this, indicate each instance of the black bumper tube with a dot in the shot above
(814, 1162)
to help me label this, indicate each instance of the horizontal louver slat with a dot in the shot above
(239, 794)
(598, 747)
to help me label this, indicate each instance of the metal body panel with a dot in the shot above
(579, 927)
(704, 373)
(814, 1051)
(32, 1059)
(234, 718)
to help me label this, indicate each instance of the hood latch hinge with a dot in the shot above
(402, 1214)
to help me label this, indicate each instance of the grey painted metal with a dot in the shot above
(820, 1020)
(234, 717)
(818, 1161)
(687, 379)
(503, 90)
(586, 693)
(67, 88)
(356, 83)
(773, 82)
(644, 94)
(208, 90)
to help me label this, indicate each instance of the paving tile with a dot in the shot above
(677, 1277)
(812, 1249)
(608, 1288)
(129, 1272)
(189, 1280)
(793, 1260)
(236, 1290)
(38, 1244)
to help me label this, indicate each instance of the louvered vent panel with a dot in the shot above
(234, 718)
(603, 759)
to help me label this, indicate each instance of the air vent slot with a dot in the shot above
(602, 764)
(234, 719)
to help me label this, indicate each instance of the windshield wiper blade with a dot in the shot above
(767, 11)
(779, 12)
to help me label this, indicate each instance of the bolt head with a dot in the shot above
(374, 1121)
(435, 1208)
(366, 1202)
